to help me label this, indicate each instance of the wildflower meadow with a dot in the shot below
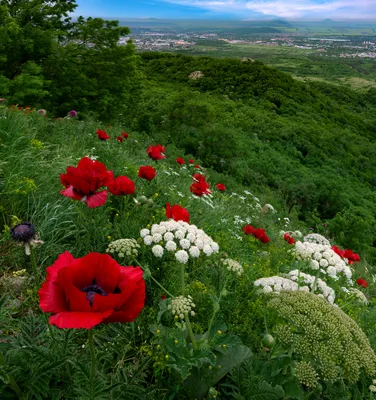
(132, 270)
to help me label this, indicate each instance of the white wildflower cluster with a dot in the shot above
(359, 295)
(276, 284)
(322, 257)
(294, 234)
(233, 266)
(124, 247)
(180, 237)
(326, 292)
(372, 387)
(182, 305)
(316, 238)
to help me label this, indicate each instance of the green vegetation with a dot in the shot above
(292, 156)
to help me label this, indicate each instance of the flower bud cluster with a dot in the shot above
(123, 248)
(182, 305)
(233, 266)
(187, 241)
(326, 292)
(322, 257)
(306, 374)
(323, 336)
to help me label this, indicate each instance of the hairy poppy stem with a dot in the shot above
(11, 381)
(92, 356)
(34, 266)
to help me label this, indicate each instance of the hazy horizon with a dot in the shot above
(340, 10)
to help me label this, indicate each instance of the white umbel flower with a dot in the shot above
(233, 266)
(148, 240)
(182, 256)
(144, 232)
(157, 237)
(182, 305)
(157, 250)
(185, 244)
(207, 250)
(194, 252)
(316, 238)
(168, 236)
(171, 245)
(268, 284)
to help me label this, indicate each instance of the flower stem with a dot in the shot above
(216, 308)
(182, 278)
(153, 279)
(34, 265)
(10, 379)
(190, 331)
(93, 363)
(315, 281)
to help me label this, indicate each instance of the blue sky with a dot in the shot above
(238, 9)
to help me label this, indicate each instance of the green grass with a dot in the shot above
(134, 360)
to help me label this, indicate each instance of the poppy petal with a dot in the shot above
(78, 320)
(96, 199)
(51, 295)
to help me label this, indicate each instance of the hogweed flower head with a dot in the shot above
(316, 238)
(124, 247)
(232, 265)
(185, 239)
(316, 331)
(182, 305)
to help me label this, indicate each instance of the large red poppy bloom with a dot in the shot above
(362, 282)
(248, 229)
(180, 161)
(121, 185)
(125, 135)
(258, 233)
(84, 292)
(289, 239)
(156, 152)
(83, 181)
(200, 188)
(147, 172)
(102, 135)
(120, 138)
(177, 212)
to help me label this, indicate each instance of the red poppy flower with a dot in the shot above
(83, 181)
(200, 188)
(198, 178)
(120, 138)
(147, 173)
(351, 256)
(338, 251)
(248, 229)
(156, 152)
(197, 166)
(221, 187)
(362, 282)
(84, 292)
(191, 161)
(289, 239)
(121, 185)
(163, 297)
(264, 239)
(180, 161)
(125, 135)
(177, 213)
(102, 135)
(258, 233)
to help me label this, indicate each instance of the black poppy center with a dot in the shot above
(92, 290)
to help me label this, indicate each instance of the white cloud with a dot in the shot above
(290, 8)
